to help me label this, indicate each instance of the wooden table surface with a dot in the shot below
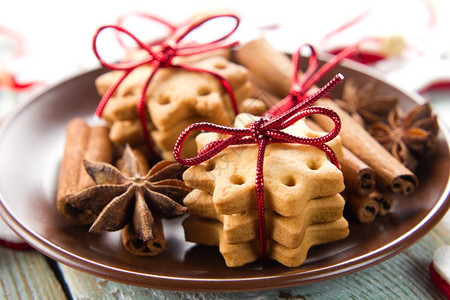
(31, 275)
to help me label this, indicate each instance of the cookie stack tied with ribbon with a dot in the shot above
(277, 213)
(302, 202)
(159, 90)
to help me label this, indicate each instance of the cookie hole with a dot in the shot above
(203, 91)
(210, 166)
(289, 181)
(313, 134)
(220, 66)
(313, 165)
(164, 99)
(239, 214)
(129, 93)
(237, 179)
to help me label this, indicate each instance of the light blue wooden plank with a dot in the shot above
(27, 275)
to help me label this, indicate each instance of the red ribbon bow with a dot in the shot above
(300, 87)
(263, 132)
(161, 56)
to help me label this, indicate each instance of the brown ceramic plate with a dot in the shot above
(31, 146)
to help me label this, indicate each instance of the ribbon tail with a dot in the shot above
(259, 188)
(298, 85)
(109, 92)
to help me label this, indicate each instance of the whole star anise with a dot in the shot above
(408, 137)
(119, 199)
(365, 104)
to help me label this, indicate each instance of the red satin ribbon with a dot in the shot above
(263, 132)
(300, 87)
(161, 56)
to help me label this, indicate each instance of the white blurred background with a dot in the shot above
(58, 34)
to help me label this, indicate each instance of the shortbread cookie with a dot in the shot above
(293, 174)
(288, 231)
(301, 198)
(209, 232)
(128, 132)
(175, 99)
(129, 85)
(179, 94)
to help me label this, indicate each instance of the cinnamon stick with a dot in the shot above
(98, 148)
(82, 142)
(136, 246)
(365, 208)
(132, 242)
(269, 68)
(389, 171)
(385, 202)
(357, 174)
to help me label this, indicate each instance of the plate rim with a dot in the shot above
(431, 219)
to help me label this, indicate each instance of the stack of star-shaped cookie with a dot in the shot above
(175, 99)
(303, 207)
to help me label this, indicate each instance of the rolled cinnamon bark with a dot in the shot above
(357, 174)
(269, 68)
(365, 208)
(98, 148)
(136, 246)
(389, 171)
(385, 202)
(132, 242)
(82, 142)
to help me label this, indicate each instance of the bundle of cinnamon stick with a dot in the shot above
(93, 143)
(371, 173)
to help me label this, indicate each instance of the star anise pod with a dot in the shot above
(366, 105)
(408, 137)
(118, 199)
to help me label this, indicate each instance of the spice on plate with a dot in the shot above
(407, 137)
(365, 104)
(122, 197)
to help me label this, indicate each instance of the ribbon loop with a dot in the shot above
(298, 86)
(170, 27)
(182, 33)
